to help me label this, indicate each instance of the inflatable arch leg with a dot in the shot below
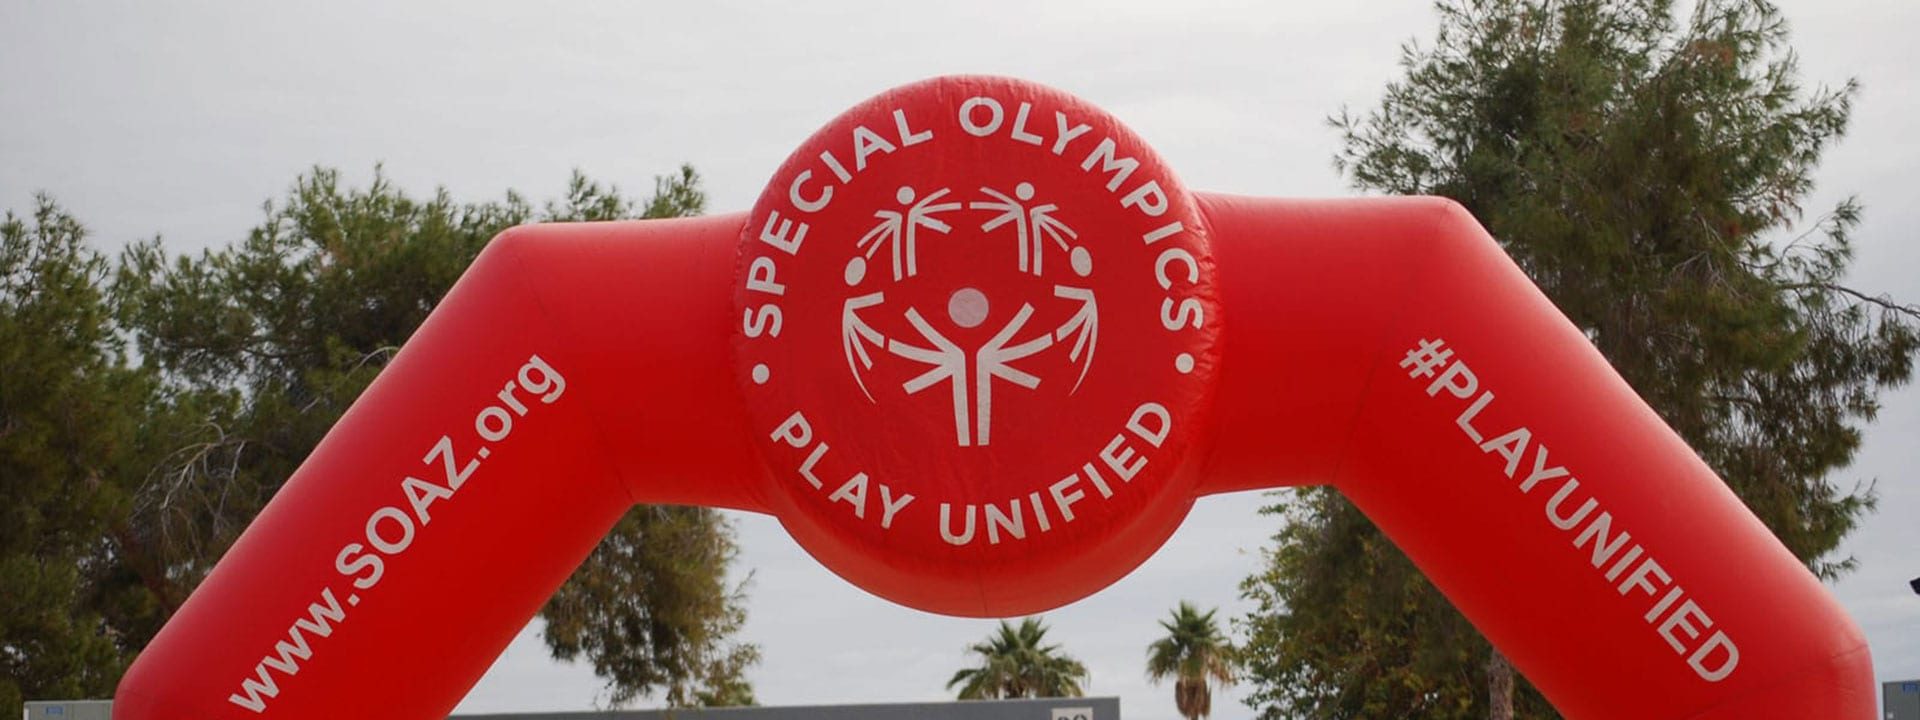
(469, 480)
(1444, 395)
(842, 383)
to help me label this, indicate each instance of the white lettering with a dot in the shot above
(493, 424)
(1012, 522)
(1120, 458)
(551, 385)
(1189, 315)
(1065, 135)
(908, 138)
(946, 526)
(289, 653)
(1039, 511)
(818, 203)
(852, 492)
(366, 561)
(1063, 499)
(1020, 125)
(994, 112)
(1156, 435)
(1560, 496)
(1540, 469)
(1638, 578)
(1161, 233)
(760, 274)
(1099, 483)
(421, 494)
(1633, 553)
(1660, 608)
(1122, 168)
(890, 507)
(1169, 256)
(1465, 420)
(1148, 199)
(1511, 446)
(381, 543)
(866, 143)
(1457, 379)
(1597, 533)
(788, 235)
(833, 163)
(1719, 640)
(766, 321)
(1679, 619)
(794, 431)
(806, 466)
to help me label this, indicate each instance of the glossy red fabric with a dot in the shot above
(1537, 499)
(1385, 346)
(993, 305)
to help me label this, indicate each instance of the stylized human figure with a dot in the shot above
(992, 362)
(949, 365)
(1084, 325)
(1011, 211)
(1031, 225)
(1046, 226)
(900, 230)
(973, 405)
(855, 333)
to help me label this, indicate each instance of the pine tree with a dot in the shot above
(1648, 172)
(263, 344)
(67, 404)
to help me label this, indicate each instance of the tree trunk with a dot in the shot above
(1499, 687)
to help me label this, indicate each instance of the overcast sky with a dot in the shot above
(180, 121)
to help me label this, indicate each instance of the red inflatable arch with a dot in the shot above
(979, 350)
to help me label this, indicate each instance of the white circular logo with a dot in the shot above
(977, 325)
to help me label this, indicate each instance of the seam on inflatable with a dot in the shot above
(565, 335)
(1207, 452)
(1206, 436)
(1430, 239)
(760, 489)
(1779, 679)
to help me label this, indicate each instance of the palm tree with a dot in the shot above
(1016, 663)
(1196, 655)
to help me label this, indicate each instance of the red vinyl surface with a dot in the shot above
(979, 350)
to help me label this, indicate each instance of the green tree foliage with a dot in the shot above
(649, 611)
(1016, 662)
(1345, 627)
(67, 406)
(1195, 655)
(264, 343)
(1648, 172)
(651, 608)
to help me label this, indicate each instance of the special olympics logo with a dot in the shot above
(1030, 229)
(975, 316)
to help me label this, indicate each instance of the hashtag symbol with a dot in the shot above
(1423, 360)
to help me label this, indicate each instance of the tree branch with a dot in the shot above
(1885, 302)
